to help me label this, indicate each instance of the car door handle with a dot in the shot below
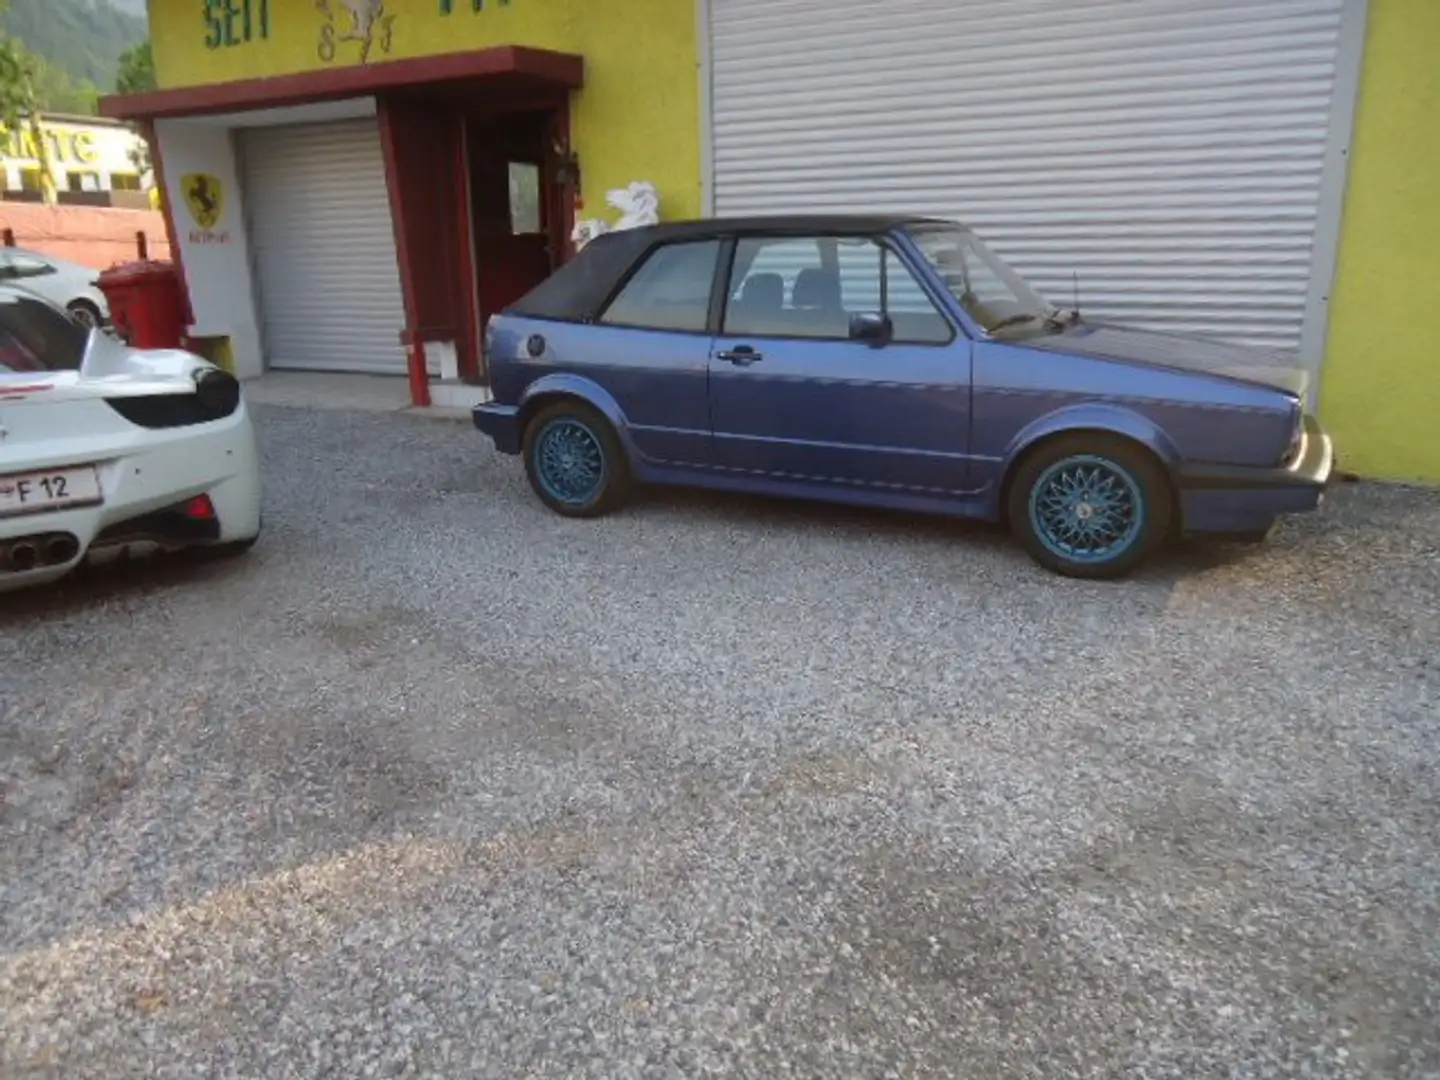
(741, 355)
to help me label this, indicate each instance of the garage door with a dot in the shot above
(1167, 153)
(323, 250)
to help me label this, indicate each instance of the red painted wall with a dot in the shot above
(97, 237)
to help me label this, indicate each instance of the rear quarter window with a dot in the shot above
(36, 337)
(669, 291)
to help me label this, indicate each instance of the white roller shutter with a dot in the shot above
(1169, 152)
(323, 248)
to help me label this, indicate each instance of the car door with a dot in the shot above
(794, 395)
(650, 350)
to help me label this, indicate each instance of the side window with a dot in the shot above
(25, 267)
(913, 315)
(762, 283)
(811, 287)
(525, 198)
(37, 337)
(859, 262)
(670, 291)
(796, 286)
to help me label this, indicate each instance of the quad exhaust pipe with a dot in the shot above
(37, 552)
(23, 555)
(60, 548)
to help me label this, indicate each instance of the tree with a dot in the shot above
(137, 70)
(136, 75)
(55, 91)
(19, 102)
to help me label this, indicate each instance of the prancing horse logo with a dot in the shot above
(205, 197)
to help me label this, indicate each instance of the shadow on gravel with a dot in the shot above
(123, 580)
(964, 537)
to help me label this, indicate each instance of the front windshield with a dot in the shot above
(991, 293)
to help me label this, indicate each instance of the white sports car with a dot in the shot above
(60, 281)
(103, 447)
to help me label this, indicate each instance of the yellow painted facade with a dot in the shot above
(637, 117)
(1380, 389)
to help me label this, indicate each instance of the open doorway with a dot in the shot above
(516, 209)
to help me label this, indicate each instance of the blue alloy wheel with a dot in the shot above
(575, 459)
(1087, 509)
(569, 461)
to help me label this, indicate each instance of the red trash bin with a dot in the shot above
(147, 306)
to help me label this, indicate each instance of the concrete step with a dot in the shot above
(454, 394)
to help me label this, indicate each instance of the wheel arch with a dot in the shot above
(85, 300)
(549, 389)
(1123, 426)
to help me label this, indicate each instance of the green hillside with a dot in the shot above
(80, 40)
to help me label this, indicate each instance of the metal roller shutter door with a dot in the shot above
(322, 247)
(1168, 152)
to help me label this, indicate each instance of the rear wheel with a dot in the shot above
(574, 460)
(1090, 506)
(233, 549)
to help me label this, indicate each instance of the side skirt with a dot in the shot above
(969, 507)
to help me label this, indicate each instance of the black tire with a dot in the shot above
(1121, 516)
(85, 313)
(580, 436)
(234, 549)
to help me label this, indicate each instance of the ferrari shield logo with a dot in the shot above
(205, 197)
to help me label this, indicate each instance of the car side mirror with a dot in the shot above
(872, 327)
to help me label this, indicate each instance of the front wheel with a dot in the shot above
(85, 314)
(1090, 507)
(574, 460)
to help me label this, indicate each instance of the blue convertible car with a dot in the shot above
(889, 361)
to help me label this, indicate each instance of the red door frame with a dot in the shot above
(470, 344)
(559, 195)
(464, 327)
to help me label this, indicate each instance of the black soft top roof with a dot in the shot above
(578, 289)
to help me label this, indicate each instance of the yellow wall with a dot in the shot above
(636, 119)
(1380, 388)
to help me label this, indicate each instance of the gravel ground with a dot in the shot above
(434, 783)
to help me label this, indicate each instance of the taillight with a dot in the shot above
(218, 391)
(200, 508)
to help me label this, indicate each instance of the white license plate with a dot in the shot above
(52, 489)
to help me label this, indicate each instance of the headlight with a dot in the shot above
(1297, 441)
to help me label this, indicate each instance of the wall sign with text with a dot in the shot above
(235, 22)
(66, 147)
(448, 6)
(366, 22)
(369, 24)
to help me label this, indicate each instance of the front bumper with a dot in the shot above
(1227, 498)
(1311, 470)
(501, 423)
